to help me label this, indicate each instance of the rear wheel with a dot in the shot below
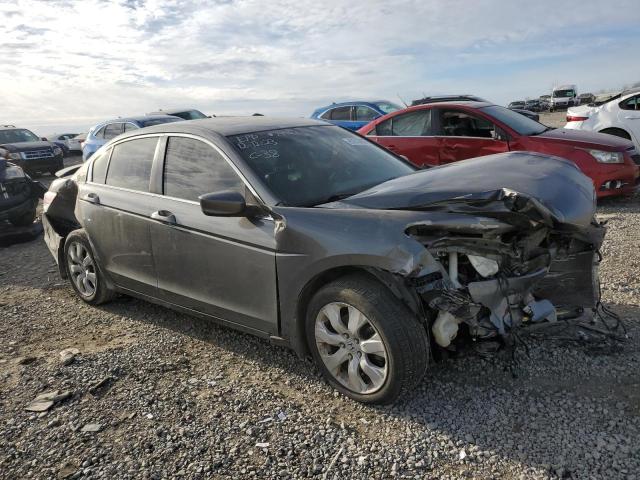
(367, 344)
(618, 132)
(84, 273)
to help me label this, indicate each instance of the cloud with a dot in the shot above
(92, 59)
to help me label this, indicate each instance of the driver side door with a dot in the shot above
(464, 135)
(219, 266)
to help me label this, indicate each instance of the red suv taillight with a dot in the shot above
(572, 118)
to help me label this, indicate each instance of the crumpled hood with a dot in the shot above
(516, 186)
(25, 146)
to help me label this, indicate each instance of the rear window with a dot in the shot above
(130, 165)
(100, 163)
(158, 121)
(341, 113)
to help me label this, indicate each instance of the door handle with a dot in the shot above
(92, 198)
(391, 147)
(164, 216)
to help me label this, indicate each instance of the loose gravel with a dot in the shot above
(149, 393)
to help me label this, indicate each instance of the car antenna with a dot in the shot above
(405, 103)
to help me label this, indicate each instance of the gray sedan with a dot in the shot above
(320, 240)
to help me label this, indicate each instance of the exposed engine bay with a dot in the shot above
(494, 277)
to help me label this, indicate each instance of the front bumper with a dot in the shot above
(17, 208)
(41, 164)
(54, 243)
(614, 180)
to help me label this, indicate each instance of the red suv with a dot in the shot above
(436, 134)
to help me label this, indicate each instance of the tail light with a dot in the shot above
(573, 118)
(47, 200)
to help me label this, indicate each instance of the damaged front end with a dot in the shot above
(516, 263)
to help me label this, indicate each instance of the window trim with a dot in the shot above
(158, 165)
(431, 112)
(354, 113)
(632, 97)
(113, 123)
(330, 109)
(470, 114)
(163, 164)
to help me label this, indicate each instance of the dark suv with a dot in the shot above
(18, 195)
(26, 150)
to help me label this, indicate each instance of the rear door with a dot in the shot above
(465, 135)
(411, 135)
(114, 208)
(221, 266)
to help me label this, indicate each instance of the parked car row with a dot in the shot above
(440, 130)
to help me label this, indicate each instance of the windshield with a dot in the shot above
(306, 166)
(518, 122)
(563, 94)
(158, 121)
(190, 114)
(17, 136)
(388, 107)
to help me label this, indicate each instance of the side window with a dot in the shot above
(412, 124)
(341, 113)
(366, 114)
(632, 103)
(100, 163)
(384, 128)
(326, 115)
(461, 124)
(129, 126)
(112, 130)
(130, 165)
(193, 168)
(99, 133)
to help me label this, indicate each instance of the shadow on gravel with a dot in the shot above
(553, 415)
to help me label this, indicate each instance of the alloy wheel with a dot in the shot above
(82, 269)
(351, 348)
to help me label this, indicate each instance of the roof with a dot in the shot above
(8, 127)
(447, 98)
(230, 125)
(452, 103)
(140, 118)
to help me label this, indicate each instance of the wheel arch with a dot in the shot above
(395, 283)
(611, 130)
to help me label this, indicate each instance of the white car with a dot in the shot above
(67, 138)
(619, 116)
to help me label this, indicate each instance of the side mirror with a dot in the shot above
(44, 139)
(223, 204)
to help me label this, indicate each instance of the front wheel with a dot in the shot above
(82, 269)
(367, 344)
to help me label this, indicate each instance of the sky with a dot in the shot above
(68, 64)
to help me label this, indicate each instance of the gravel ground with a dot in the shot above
(150, 393)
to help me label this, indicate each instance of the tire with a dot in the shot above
(83, 270)
(381, 322)
(618, 132)
(24, 220)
